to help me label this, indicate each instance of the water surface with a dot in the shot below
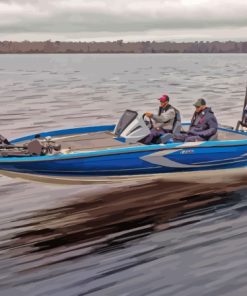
(152, 238)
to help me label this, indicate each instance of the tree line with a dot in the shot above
(122, 47)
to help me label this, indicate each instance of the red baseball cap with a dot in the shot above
(164, 99)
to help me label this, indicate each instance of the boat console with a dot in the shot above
(131, 127)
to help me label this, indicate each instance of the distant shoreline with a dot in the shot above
(117, 53)
(120, 47)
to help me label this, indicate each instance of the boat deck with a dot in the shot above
(228, 135)
(106, 140)
(92, 141)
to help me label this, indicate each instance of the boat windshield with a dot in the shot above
(127, 117)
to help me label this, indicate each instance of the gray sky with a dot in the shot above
(130, 20)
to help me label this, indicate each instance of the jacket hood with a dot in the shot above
(207, 110)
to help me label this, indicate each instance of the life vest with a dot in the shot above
(177, 114)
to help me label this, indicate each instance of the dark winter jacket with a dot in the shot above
(203, 124)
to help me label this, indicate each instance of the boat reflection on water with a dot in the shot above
(110, 219)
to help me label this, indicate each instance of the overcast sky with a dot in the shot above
(130, 20)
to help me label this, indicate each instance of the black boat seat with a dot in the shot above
(177, 125)
(177, 128)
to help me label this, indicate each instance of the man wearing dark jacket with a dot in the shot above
(203, 124)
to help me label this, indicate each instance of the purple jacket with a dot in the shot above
(203, 124)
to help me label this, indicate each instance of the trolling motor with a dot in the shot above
(42, 146)
(37, 147)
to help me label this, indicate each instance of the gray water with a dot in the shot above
(151, 238)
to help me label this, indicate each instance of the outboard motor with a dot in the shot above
(131, 127)
(42, 146)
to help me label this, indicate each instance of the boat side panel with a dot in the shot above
(134, 163)
(214, 155)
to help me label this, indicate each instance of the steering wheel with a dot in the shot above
(149, 122)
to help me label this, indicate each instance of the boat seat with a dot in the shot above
(242, 124)
(177, 125)
(177, 128)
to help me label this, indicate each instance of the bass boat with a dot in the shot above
(113, 153)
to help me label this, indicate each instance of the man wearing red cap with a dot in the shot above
(164, 121)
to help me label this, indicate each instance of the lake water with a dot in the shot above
(130, 239)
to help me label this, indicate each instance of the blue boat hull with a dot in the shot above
(131, 161)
